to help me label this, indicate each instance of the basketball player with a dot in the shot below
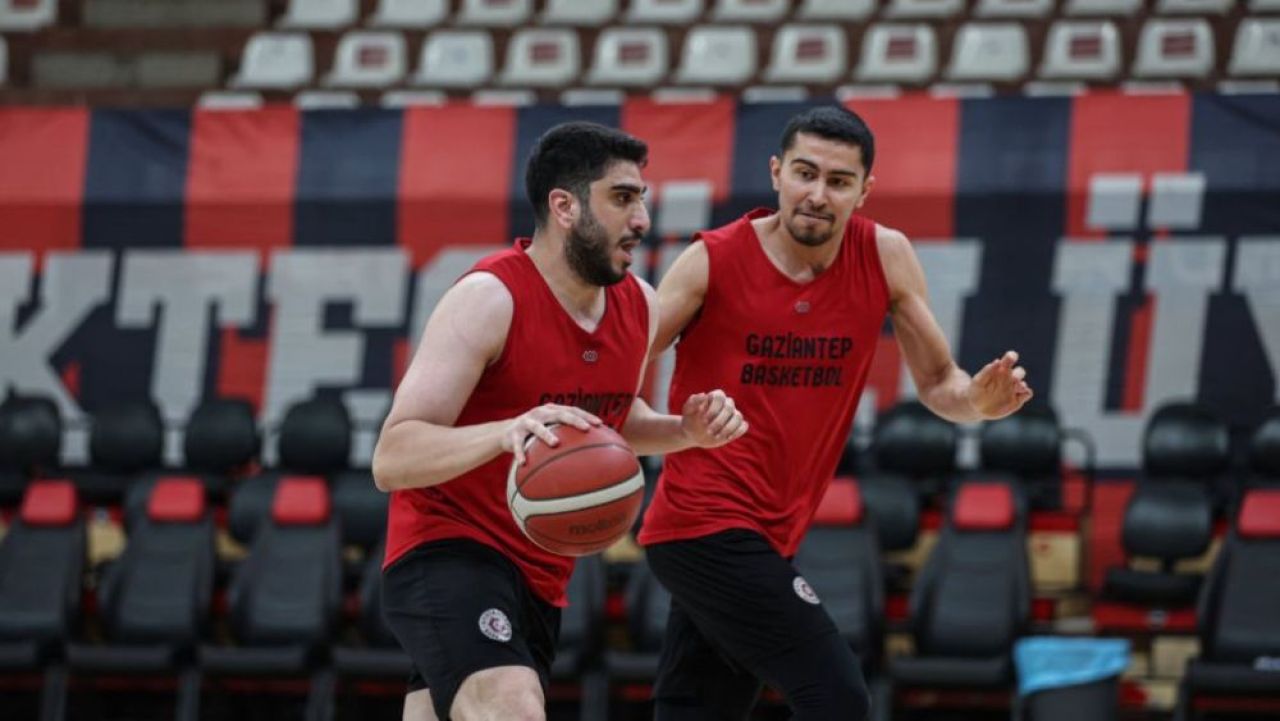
(554, 330)
(782, 309)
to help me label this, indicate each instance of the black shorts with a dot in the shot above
(738, 610)
(457, 607)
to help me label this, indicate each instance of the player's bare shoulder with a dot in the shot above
(902, 269)
(476, 312)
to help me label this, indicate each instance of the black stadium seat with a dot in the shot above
(1027, 446)
(154, 600)
(30, 440)
(973, 597)
(648, 604)
(1170, 516)
(1264, 453)
(1239, 610)
(578, 652)
(42, 559)
(126, 440)
(285, 597)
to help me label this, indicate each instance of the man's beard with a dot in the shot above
(812, 238)
(588, 250)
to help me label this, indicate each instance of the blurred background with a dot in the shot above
(223, 224)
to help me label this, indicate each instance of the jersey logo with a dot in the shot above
(590, 356)
(805, 591)
(495, 625)
(802, 306)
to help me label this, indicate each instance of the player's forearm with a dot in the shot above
(949, 396)
(652, 433)
(417, 454)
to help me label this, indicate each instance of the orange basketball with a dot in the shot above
(579, 497)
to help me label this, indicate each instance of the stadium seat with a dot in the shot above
(749, 11)
(1076, 50)
(1262, 6)
(576, 97)
(1102, 8)
(30, 442)
(27, 15)
(412, 98)
(1264, 453)
(579, 13)
(1238, 626)
(220, 443)
(629, 57)
(455, 58)
(1026, 447)
(718, 55)
(543, 57)
(279, 61)
(285, 596)
(42, 559)
(648, 604)
(409, 14)
(972, 599)
(125, 441)
(1170, 515)
(1174, 49)
(229, 100)
(664, 12)
(990, 52)
(1193, 7)
(326, 100)
(807, 54)
(836, 9)
(319, 14)
(494, 13)
(898, 53)
(580, 646)
(840, 558)
(154, 600)
(368, 59)
(923, 9)
(1257, 48)
(1029, 9)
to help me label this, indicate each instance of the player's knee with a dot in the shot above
(508, 694)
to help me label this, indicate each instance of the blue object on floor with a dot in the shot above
(1050, 662)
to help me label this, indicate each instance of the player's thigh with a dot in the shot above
(506, 693)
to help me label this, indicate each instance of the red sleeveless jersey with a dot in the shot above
(794, 357)
(547, 358)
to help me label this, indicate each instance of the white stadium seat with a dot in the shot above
(664, 12)
(319, 14)
(1100, 8)
(1181, 48)
(543, 57)
(494, 13)
(1013, 8)
(229, 100)
(368, 59)
(581, 13)
(412, 98)
(1193, 7)
(749, 11)
(629, 57)
(1081, 50)
(27, 15)
(455, 59)
(718, 55)
(419, 14)
(1261, 6)
(1257, 48)
(989, 52)
(275, 60)
(807, 54)
(326, 100)
(898, 53)
(921, 9)
(836, 9)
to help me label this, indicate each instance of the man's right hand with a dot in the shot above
(536, 423)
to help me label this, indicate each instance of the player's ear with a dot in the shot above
(775, 172)
(866, 190)
(562, 208)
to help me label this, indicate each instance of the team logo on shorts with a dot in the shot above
(805, 591)
(495, 625)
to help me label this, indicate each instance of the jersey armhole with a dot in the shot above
(878, 265)
(503, 355)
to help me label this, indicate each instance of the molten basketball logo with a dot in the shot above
(805, 591)
(495, 625)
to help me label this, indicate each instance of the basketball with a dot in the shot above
(579, 497)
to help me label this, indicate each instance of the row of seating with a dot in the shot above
(24, 15)
(727, 56)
